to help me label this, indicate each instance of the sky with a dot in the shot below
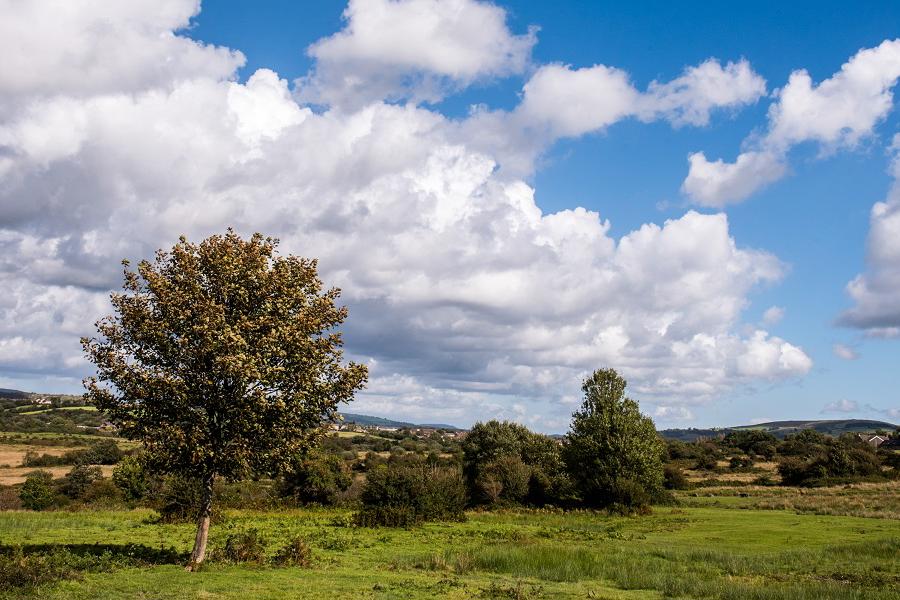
(509, 195)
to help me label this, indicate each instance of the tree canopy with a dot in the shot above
(613, 452)
(223, 359)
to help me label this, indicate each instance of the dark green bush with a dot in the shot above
(79, 479)
(37, 492)
(296, 553)
(505, 479)
(131, 476)
(674, 479)
(405, 494)
(245, 547)
(178, 499)
(319, 478)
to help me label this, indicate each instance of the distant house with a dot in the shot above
(41, 401)
(873, 440)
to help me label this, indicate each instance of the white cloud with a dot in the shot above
(838, 112)
(572, 102)
(690, 98)
(103, 46)
(842, 406)
(464, 296)
(719, 183)
(876, 291)
(413, 48)
(844, 352)
(773, 315)
(673, 413)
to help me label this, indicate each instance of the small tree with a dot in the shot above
(37, 492)
(222, 359)
(612, 447)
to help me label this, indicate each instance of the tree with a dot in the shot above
(612, 448)
(37, 492)
(223, 359)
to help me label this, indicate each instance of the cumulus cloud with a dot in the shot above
(572, 102)
(844, 352)
(842, 406)
(837, 113)
(719, 183)
(466, 299)
(396, 49)
(875, 292)
(78, 48)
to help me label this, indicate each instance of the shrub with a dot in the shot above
(77, 481)
(405, 494)
(319, 478)
(245, 547)
(505, 479)
(37, 492)
(296, 553)
(628, 497)
(102, 491)
(178, 499)
(132, 478)
(674, 479)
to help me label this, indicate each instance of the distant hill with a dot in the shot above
(13, 394)
(780, 429)
(369, 421)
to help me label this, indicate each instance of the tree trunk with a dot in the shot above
(199, 552)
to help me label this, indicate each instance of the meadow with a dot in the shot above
(688, 551)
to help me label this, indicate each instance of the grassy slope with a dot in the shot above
(693, 552)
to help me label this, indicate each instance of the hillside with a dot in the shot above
(370, 421)
(781, 429)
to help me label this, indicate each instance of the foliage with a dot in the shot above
(77, 481)
(407, 494)
(222, 359)
(244, 547)
(674, 479)
(845, 459)
(498, 456)
(612, 448)
(318, 478)
(295, 553)
(132, 478)
(37, 492)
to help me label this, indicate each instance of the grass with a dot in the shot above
(691, 552)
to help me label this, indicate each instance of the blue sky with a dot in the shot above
(816, 220)
(440, 339)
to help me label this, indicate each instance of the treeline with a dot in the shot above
(66, 415)
(807, 458)
(611, 459)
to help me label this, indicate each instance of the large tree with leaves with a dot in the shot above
(223, 358)
(612, 452)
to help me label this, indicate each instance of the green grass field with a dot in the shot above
(691, 552)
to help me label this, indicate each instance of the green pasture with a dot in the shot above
(693, 552)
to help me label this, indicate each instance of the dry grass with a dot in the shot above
(12, 471)
(874, 500)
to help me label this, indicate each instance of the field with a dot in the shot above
(690, 551)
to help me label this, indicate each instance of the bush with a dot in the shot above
(406, 494)
(674, 479)
(37, 492)
(179, 499)
(102, 491)
(79, 479)
(132, 478)
(245, 547)
(505, 479)
(296, 553)
(629, 497)
(319, 478)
